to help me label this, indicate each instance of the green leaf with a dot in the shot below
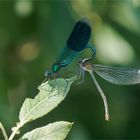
(51, 94)
(53, 131)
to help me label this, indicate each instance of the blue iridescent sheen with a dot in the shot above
(76, 43)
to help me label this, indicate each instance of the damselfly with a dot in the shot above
(115, 75)
(77, 42)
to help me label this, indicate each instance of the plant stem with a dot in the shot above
(16, 129)
(3, 132)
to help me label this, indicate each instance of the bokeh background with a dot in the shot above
(32, 34)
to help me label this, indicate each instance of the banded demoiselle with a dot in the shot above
(115, 75)
(76, 43)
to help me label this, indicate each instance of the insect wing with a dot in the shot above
(118, 75)
(76, 42)
(80, 35)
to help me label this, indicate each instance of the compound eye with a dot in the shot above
(47, 73)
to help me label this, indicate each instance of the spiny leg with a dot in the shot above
(82, 77)
(81, 67)
(80, 73)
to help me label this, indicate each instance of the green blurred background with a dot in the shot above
(32, 34)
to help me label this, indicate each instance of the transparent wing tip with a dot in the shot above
(85, 20)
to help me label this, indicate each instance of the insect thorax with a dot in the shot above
(55, 68)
